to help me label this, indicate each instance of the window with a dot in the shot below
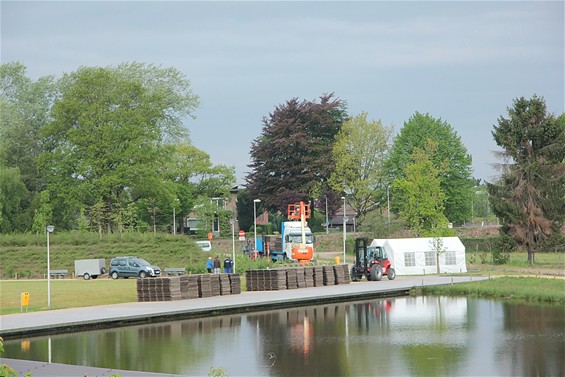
(450, 258)
(430, 258)
(410, 259)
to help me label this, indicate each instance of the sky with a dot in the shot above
(463, 62)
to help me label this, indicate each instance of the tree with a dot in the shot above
(529, 197)
(25, 107)
(294, 148)
(421, 199)
(195, 178)
(451, 159)
(359, 152)
(108, 134)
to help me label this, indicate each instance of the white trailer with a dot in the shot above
(90, 268)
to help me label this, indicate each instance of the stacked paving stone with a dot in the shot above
(253, 281)
(301, 277)
(292, 278)
(215, 284)
(318, 276)
(329, 276)
(235, 282)
(189, 286)
(309, 276)
(277, 279)
(204, 286)
(225, 287)
(159, 289)
(341, 274)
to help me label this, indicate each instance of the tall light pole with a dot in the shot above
(327, 221)
(344, 227)
(255, 201)
(232, 222)
(50, 229)
(388, 203)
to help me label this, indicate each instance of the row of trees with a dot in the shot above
(311, 151)
(315, 151)
(102, 148)
(106, 148)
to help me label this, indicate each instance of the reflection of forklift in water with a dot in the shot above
(371, 262)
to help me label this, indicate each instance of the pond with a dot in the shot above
(405, 336)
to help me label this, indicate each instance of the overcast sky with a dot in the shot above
(463, 62)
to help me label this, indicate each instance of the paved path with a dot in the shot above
(55, 321)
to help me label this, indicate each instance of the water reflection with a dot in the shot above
(418, 336)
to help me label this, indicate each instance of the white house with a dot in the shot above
(418, 256)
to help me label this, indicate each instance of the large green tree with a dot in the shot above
(197, 180)
(25, 107)
(359, 152)
(106, 140)
(421, 199)
(293, 152)
(451, 159)
(529, 197)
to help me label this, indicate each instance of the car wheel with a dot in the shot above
(391, 274)
(103, 270)
(114, 275)
(86, 276)
(142, 274)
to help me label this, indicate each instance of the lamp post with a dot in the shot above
(327, 221)
(344, 227)
(50, 229)
(388, 203)
(255, 201)
(232, 222)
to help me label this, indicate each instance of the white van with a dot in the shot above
(204, 245)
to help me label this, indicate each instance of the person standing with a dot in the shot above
(209, 264)
(217, 265)
(228, 265)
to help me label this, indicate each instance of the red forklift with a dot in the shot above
(371, 262)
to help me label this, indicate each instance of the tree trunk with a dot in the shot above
(530, 254)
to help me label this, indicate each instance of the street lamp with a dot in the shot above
(344, 227)
(50, 229)
(327, 221)
(232, 222)
(388, 203)
(255, 201)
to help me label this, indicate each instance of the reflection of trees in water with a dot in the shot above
(536, 343)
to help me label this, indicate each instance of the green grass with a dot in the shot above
(520, 288)
(65, 293)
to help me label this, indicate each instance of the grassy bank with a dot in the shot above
(519, 288)
(65, 293)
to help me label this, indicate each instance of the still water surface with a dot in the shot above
(407, 336)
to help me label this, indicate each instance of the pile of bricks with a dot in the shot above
(225, 285)
(187, 287)
(309, 277)
(341, 274)
(235, 284)
(160, 289)
(318, 276)
(215, 284)
(293, 278)
(329, 275)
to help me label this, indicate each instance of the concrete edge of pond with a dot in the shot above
(14, 326)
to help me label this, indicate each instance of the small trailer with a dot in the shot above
(90, 268)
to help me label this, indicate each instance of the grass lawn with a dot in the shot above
(521, 288)
(65, 293)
